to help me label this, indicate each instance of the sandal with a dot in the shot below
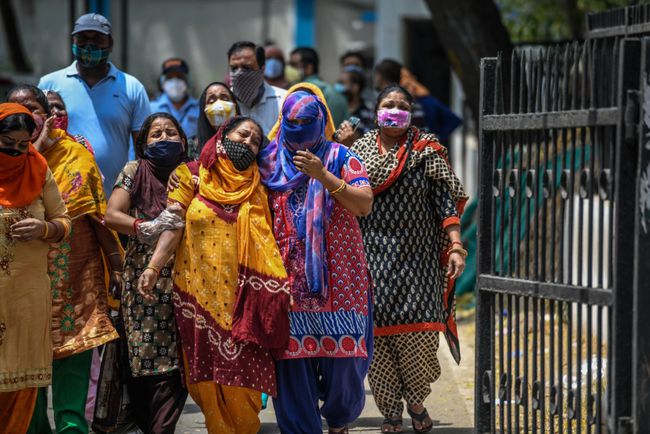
(394, 423)
(420, 417)
(343, 431)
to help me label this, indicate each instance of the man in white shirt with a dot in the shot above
(256, 98)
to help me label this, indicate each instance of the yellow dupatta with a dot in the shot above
(80, 182)
(225, 185)
(76, 173)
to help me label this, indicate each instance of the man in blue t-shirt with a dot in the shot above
(175, 98)
(105, 105)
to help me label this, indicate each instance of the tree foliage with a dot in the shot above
(549, 20)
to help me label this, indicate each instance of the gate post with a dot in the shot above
(624, 221)
(484, 371)
(641, 326)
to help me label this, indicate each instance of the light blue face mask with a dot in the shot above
(273, 68)
(339, 87)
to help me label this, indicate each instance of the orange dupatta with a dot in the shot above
(22, 178)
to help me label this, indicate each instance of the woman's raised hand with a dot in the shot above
(310, 165)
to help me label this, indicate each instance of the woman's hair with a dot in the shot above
(141, 142)
(394, 88)
(204, 128)
(38, 94)
(53, 92)
(17, 122)
(235, 122)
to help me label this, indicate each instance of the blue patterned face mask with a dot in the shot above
(89, 55)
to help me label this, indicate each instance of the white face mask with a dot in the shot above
(175, 88)
(219, 112)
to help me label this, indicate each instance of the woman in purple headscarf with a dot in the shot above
(318, 188)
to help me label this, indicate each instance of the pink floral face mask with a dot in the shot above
(393, 118)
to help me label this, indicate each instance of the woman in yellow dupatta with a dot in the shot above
(231, 292)
(76, 267)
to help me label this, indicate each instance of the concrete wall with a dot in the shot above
(198, 30)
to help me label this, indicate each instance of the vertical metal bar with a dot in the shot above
(518, 388)
(641, 346)
(526, 381)
(560, 387)
(624, 197)
(502, 396)
(484, 411)
(509, 364)
(599, 367)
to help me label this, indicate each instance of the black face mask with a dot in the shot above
(240, 154)
(11, 152)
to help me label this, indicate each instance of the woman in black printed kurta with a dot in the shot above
(412, 241)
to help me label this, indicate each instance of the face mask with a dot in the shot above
(90, 55)
(247, 85)
(175, 88)
(239, 154)
(164, 153)
(40, 122)
(292, 74)
(273, 68)
(61, 122)
(302, 137)
(393, 118)
(340, 88)
(11, 152)
(219, 112)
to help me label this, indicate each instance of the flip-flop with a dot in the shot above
(392, 422)
(343, 431)
(420, 417)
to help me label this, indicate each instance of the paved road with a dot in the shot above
(450, 404)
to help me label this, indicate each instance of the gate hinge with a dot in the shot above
(625, 425)
(632, 114)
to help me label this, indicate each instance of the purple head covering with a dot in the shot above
(280, 174)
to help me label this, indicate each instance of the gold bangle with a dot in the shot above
(151, 267)
(46, 232)
(462, 252)
(340, 189)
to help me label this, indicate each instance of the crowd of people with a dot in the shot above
(280, 236)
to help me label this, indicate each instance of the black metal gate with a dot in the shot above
(564, 234)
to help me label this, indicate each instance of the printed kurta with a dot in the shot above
(338, 327)
(150, 326)
(25, 302)
(417, 196)
(404, 259)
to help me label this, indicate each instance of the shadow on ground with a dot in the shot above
(372, 424)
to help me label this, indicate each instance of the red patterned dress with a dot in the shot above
(339, 326)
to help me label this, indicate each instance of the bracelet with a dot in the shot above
(340, 189)
(462, 252)
(151, 267)
(46, 232)
(454, 243)
(115, 254)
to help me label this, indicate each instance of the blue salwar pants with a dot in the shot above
(338, 382)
